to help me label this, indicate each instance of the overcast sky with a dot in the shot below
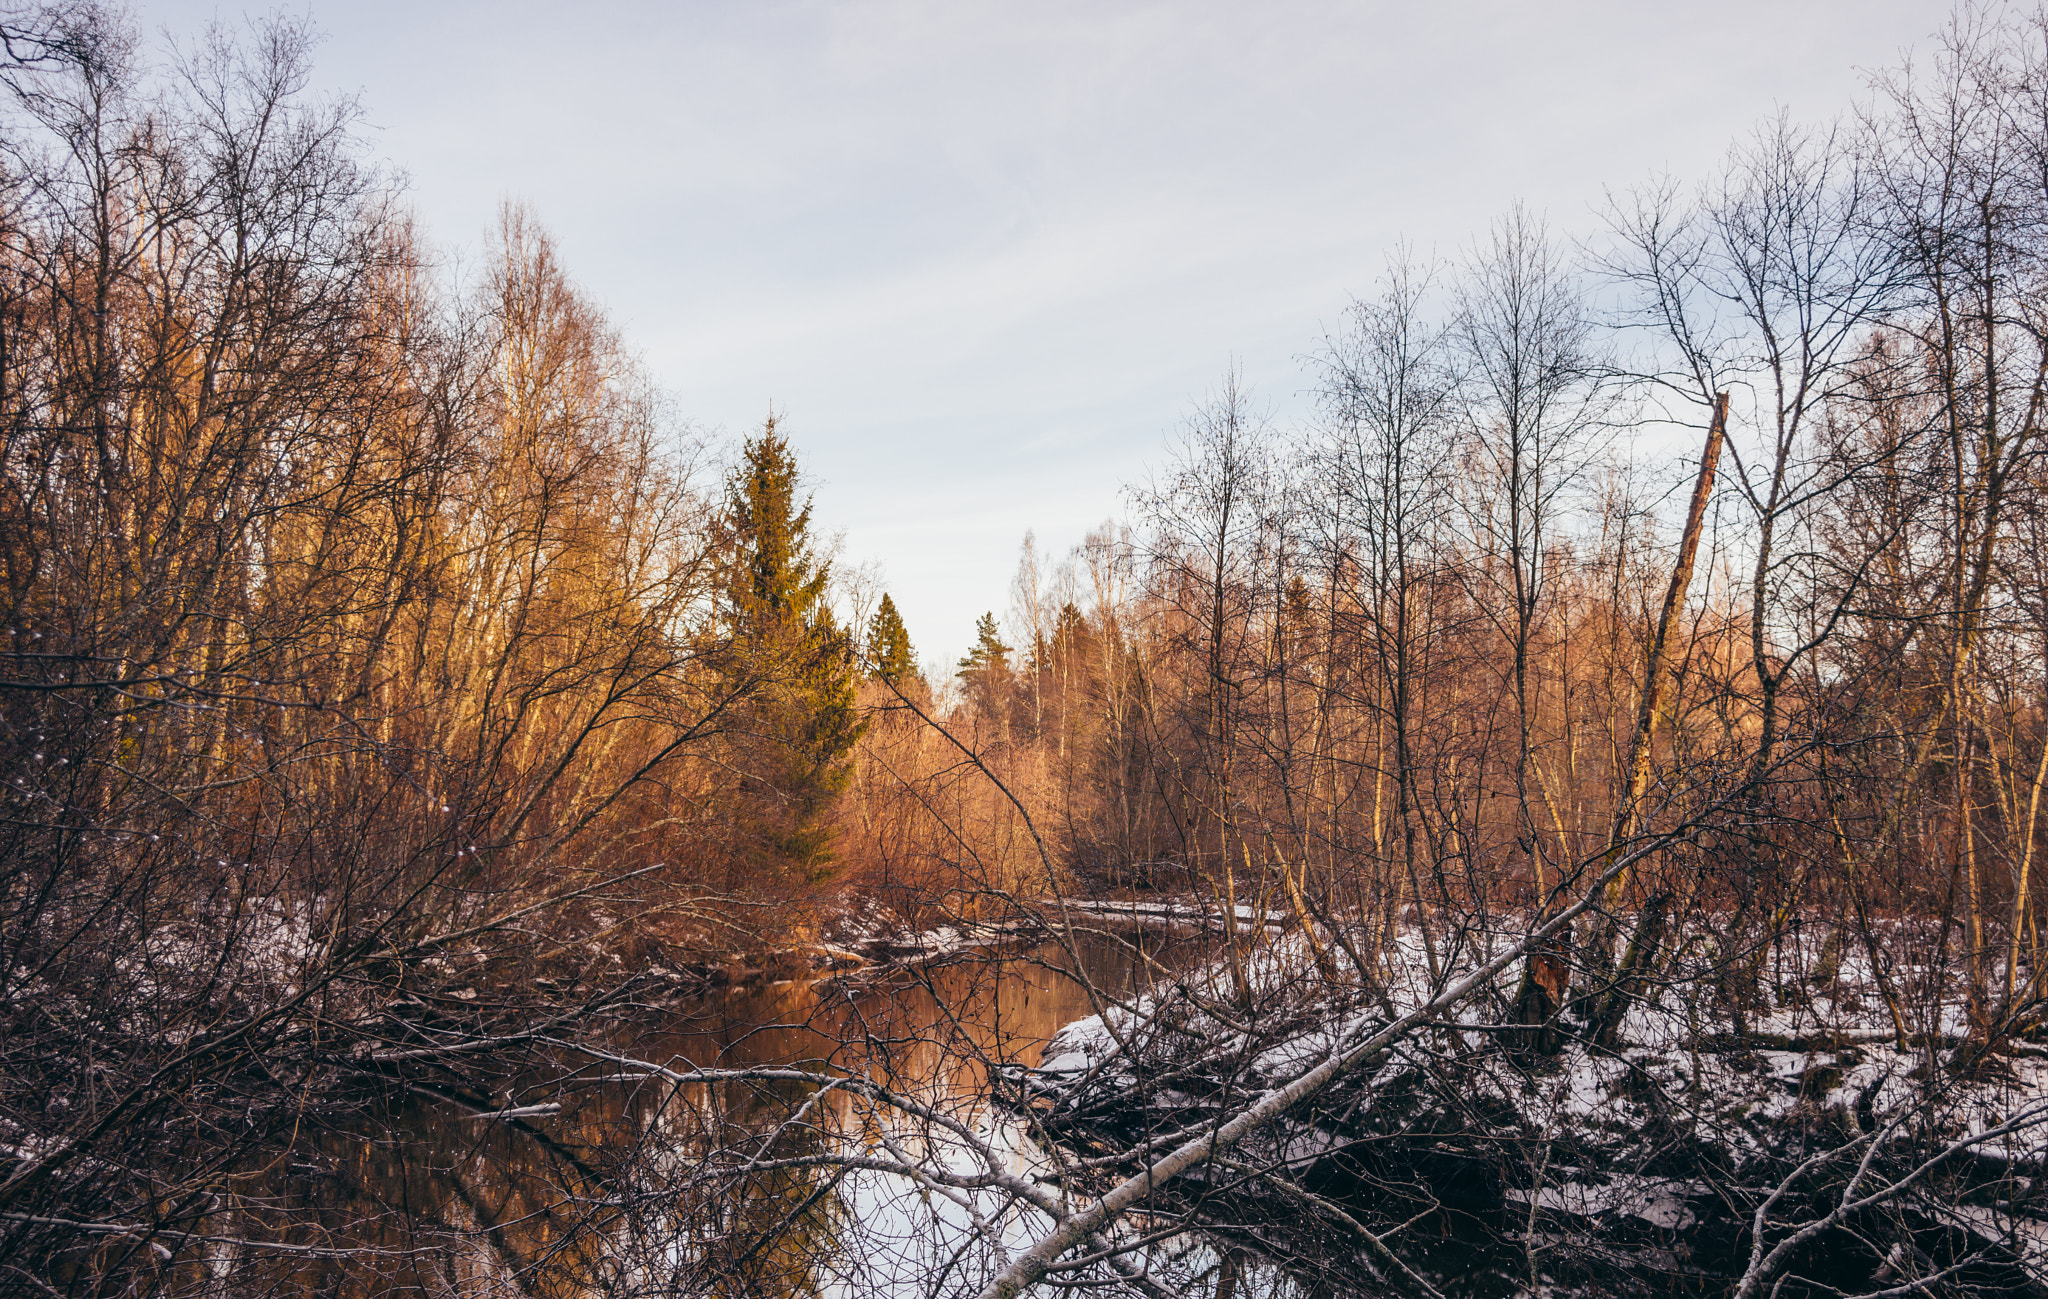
(984, 257)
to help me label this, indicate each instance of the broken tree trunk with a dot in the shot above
(1628, 811)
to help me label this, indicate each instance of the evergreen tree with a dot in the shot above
(989, 653)
(787, 658)
(1069, 632)
(986, 672)
(889, 645)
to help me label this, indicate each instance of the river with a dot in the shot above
(611, 1194)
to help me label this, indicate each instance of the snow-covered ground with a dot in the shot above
(1673, 1135)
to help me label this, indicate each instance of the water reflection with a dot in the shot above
(931, 1035)
(641, 1186)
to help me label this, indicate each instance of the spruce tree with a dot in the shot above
(889, 649)
(1069, 632)
(786, 660)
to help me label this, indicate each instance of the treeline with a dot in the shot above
(1393, 662)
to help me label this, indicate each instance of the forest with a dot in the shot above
(1559, 818)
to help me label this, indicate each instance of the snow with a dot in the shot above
(1821, 1067)
(1661, 1202)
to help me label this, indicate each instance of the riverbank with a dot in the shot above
(1649, 1162)
(864, 940)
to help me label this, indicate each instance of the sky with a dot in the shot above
(983, 259)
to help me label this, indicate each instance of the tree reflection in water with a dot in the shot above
(652, 1180)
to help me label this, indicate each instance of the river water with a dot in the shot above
(612, 1194)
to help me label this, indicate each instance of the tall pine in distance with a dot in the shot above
(989, 653)
(889, 653)
(787, 663)
(986, 671)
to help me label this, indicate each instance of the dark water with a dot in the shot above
(619, 1193)
(609, 1196)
